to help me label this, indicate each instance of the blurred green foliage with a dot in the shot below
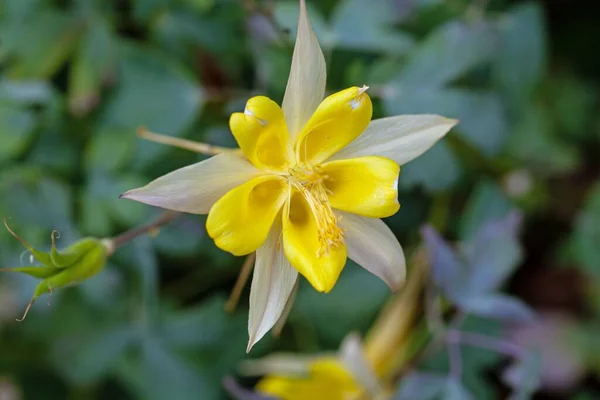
(78, 77)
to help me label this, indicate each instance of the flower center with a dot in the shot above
(310, 183)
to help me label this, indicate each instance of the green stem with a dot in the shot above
(128, 236)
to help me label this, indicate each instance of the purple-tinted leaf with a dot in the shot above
(446, 268)
(523, 376)
(498, 306)
(428, 386)
(493, 254)
(455, 390)
(421, 386)
(487, 202)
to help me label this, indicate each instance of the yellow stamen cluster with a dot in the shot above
(310, 183)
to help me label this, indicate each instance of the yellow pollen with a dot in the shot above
(310, 183)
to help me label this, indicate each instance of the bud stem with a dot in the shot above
(247, 268)
(128, 236)
(198, 147)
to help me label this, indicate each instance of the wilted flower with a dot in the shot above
(78, 262)
(308, 187)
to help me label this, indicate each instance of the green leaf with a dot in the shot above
(482, 121)
(129, 213)
(97, 353)
(110, 150)
(498, 306)
(571, 102)
(101, 207)
(586, 236)
(182, 237)
(93, 64)
(487, 202)
(16, 129)
(143, 10)
(19, 9)
(201, 5)
(160, 373)
(140, 258)
(436, 170)
(55, 150)
(370, 29)
(105, 289)
(533, 145)
(199, 327)
(209, 334)
(40, 44)
(520, 61)
(25, 92)
(342, 305)
(37, 200)
(415, 208)
(448, 53)
(218, 32)
(154, 91)
(92, 215)
(382, 71)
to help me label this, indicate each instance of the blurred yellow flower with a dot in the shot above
(308, 187)
(357, 371)
(326, 379)
(347, 375)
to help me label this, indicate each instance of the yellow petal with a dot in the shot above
(240, 221)
(338, 120)
(366, 185)
(262, 134)
(306, 84)
(327, 380)
(320, 266)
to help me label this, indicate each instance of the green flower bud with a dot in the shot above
(78, 262)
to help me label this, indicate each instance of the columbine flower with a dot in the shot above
(357, 371)
(308, 187)
(345, 375)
